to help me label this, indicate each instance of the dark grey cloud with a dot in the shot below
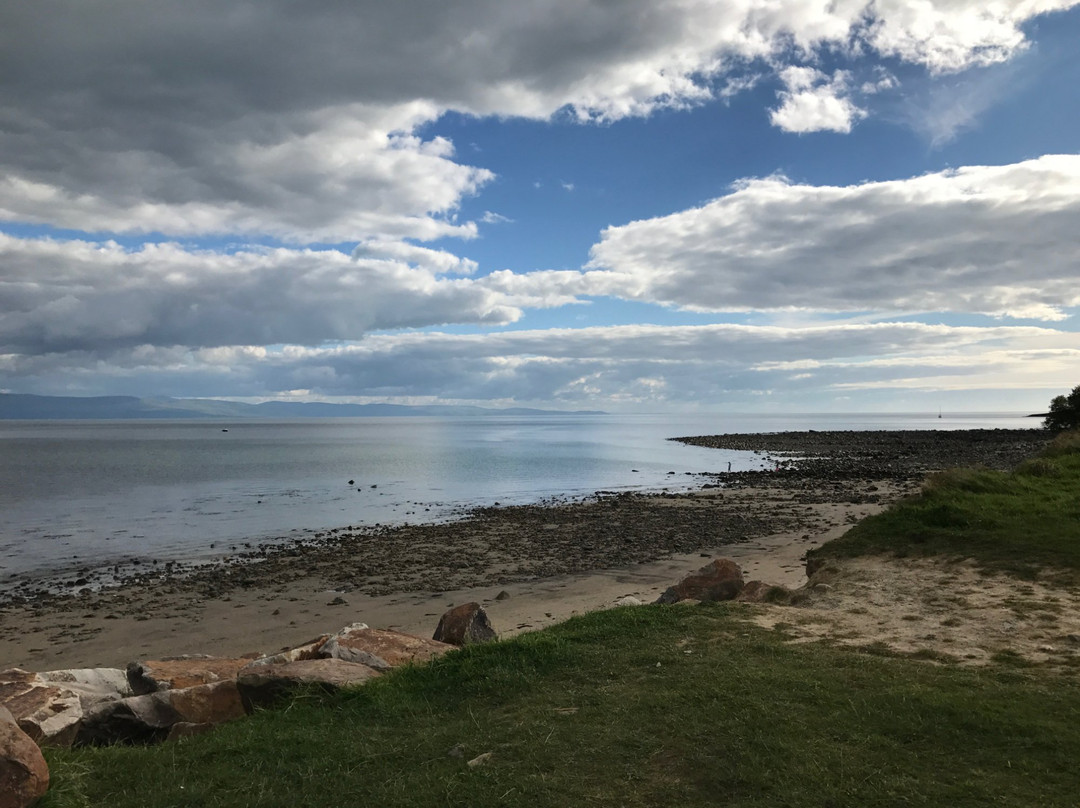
(298, 120)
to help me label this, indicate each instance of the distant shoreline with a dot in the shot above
(25, 407)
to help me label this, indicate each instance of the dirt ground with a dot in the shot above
(935, 609)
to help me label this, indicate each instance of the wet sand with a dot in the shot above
(552, 561)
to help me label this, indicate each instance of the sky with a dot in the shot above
(628, 205)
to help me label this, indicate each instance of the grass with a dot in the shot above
(632, 707)
(1024, 523)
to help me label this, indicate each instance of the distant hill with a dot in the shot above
(29, 407)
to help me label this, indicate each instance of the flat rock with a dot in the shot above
(381, 649)
(24, 775)
(177, 673)
(464, 624)
(309, 650)
(720, 579)
(48, 714)
(48, 706)
(92, 685)
(263, 684)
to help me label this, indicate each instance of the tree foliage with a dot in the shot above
(1064, 412)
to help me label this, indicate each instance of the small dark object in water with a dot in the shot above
(224, 430)
(374, 486)
(352, 482)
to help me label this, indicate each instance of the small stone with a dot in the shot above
(504, 595)
(628, 600)
(480, 760)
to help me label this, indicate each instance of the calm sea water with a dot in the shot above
(89, 493)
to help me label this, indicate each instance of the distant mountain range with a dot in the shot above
(28, 407)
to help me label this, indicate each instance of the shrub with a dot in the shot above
(1064, 412)
(1064, 444)
(1040, 467)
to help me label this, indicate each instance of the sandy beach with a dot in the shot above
(530, 566)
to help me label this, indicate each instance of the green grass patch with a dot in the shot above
(631, 707)
(1023, 522)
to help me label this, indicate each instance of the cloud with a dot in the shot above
(612, 366)
(254, 118)
(814, 102)
(64, 296)
(999, 240)
(953, 36)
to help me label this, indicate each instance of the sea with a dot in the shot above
(81, 495)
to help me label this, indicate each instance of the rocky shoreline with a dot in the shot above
(819, 481)
(898, 455)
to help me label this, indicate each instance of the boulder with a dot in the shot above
(720, 579)
(309, 650)
(141, 719)
(214, 703)
(627, 600)
(49, 706)
(464, 624)
(48, 714)
(381, 649)
(761, 592)
(92, 685)
(177, 673)
(151, 717)
(261, 685)
(24, 775)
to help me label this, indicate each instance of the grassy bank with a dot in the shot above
(646, 706)
(1025, 522)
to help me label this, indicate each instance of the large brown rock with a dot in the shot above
(718, 580)
(49, 706)
(24, 776)
(761, 592)
(177, 673)
(261, 685)
(214, 703)
(464, 624)
(150, 717)
(381, 649)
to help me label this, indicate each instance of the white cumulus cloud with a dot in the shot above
(999, 240)
(814, 102)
